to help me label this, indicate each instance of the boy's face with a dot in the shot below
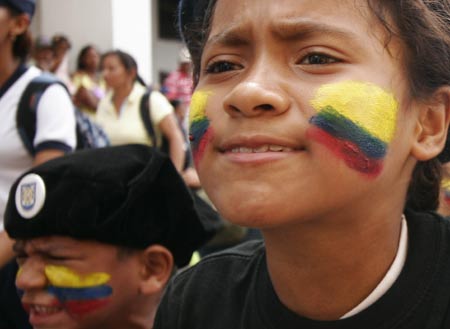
(67, 283)
(299, 111)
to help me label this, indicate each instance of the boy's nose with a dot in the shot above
(31, 276)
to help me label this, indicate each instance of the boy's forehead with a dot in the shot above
(51, 243)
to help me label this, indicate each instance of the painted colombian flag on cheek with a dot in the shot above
(445, 186)
(356, 121)
(79, 294)
(200, 131)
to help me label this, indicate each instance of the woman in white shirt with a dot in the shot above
(55, 120)
(119, 111)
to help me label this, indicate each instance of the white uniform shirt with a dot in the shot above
(55, 129)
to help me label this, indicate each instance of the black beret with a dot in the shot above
(22, 6)
(129, 196)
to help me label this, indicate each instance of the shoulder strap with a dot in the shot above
(144, 109)
(27, 108)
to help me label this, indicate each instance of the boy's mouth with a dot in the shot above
(44, 310)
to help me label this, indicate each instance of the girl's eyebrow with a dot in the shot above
(301, 28)
(233, 35)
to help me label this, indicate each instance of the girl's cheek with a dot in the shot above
(445, 186)
(356, 121)
(201, 132)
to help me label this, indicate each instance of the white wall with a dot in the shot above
(82, 21)
(130, 25)
(131, 32)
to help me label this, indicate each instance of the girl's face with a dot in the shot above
(91, 59)
(7, 24)
(300, 112)
(115, 74)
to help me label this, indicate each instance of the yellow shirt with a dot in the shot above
(126, 127)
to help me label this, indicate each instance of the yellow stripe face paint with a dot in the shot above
(60, 276)
(367, 105)
(200, 131)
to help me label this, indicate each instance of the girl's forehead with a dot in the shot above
(267, 12)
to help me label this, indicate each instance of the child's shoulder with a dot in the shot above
(243, 259)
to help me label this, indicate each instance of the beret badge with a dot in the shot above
(30, 196)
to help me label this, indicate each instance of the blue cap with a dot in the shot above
(23, 6)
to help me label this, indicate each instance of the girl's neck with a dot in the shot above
(323, 272)
(120, 94)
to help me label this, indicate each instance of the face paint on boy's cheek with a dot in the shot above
(201, 134)
(445, 186)
(356, 121)
(79, 295)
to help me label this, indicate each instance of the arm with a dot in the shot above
(191, 179)
(170, 129)
(6, 251)
(46, 155)
(85, 97)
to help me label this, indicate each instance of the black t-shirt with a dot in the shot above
(232, 289)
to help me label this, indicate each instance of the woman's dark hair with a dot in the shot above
(128, 62)
(423, 26)
(81, 64)
(23, 43)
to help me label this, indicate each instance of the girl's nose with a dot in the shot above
(260, 93)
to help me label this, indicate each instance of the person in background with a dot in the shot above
(61, 47)
(323, 124)
(444, 195)
(42, 54)
(119, 111)
(178, 84)
(55, 129)
(103, 258)
(88, 85)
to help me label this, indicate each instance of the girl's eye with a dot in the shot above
(318, 59)
(221, 66)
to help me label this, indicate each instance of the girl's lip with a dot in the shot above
(259, 149)
(258, 144)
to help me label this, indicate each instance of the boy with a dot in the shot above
(98, 235)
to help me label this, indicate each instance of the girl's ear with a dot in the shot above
(19, 24)
(156, 269)
(432, 125)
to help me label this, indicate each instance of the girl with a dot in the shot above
(55, 130)
(119, 111)
(55, 133)
(86, 80)
(319, 122)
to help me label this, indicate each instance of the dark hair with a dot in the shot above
(128, 62)
(424, 28)
(24, 42)
(81, 65)
(195, 33)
